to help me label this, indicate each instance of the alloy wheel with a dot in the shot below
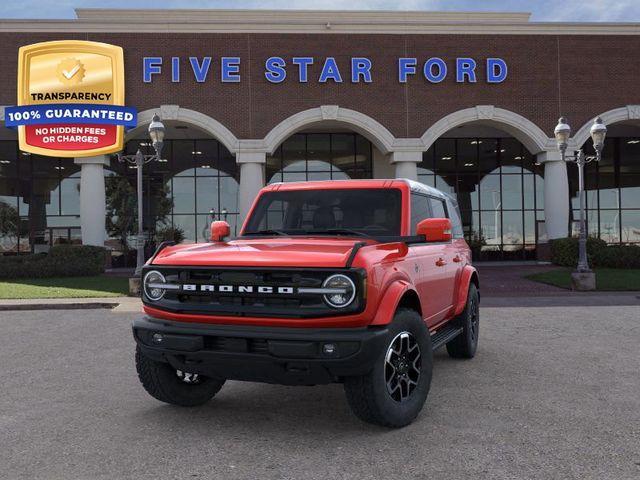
(473, 319)
(189, 378)
(402, 366)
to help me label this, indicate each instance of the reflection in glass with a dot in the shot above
(206, 196)
(320, 156)
(528, 191)
(228, 194)
(512, 192)
(446, 184)
(630, 190)
(630, 222)
(530, 227)
(70, 196)
(188, 225)
(610, 226)
(490, 198)
(491, 225)
(495, 180)
(539, 192)
(196, 177)
(512, 230)
(426, 179)
(183, 195)
(612, 189)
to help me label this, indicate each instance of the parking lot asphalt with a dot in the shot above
(553, 393)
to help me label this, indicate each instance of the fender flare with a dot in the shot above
(390, 300)
(468, 275)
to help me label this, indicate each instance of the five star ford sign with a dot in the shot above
(71, 99)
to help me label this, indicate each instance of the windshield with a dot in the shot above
(351, 212)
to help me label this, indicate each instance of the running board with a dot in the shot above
(444, 336)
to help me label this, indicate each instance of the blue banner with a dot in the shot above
(71, 113)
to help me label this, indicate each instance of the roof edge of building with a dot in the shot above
(262, 16)
(96, 20)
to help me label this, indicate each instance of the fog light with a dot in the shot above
(329, 348)
(157, 338)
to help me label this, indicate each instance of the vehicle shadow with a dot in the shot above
(273, 411)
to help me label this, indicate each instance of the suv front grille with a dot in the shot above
(240, 295)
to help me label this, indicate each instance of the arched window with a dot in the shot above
(612, 188)
(499, 190)
(198, 178)
(320, 156)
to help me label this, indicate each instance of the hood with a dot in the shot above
(267, 252)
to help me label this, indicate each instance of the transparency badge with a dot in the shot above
(70, 99)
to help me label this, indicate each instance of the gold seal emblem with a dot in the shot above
(70, 71)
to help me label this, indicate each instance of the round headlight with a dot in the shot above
(345, 291)
(151, 290)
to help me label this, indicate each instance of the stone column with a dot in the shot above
(251, 180)
(406, 164)
(92, 199)
(556, 194)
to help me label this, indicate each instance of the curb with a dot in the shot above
(7, 307)
(574, 299)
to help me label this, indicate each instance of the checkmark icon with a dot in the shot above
(71, 73)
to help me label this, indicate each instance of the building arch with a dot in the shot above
(186, 115)
(521, 128)
(616, 115)
(373, 130)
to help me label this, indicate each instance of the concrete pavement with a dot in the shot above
(554, 392)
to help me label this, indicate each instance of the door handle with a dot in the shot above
(440, 262)
(457, 259)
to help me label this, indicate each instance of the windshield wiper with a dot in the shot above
(268, 232)
(337, 231)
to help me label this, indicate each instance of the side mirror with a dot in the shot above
(435, 229)
(219, 231)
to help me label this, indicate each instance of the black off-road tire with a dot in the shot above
(368, 395)
(162, 382)
(466, 344)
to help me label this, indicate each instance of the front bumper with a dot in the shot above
(288, 356)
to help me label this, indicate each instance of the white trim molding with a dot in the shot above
(199, 21)
(531, 136)
(373, 130)
(185, 115)
(622, 114)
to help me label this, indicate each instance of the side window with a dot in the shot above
(456, 222)
(437, 206)
(419, 210)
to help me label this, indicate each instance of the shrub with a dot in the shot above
(618, 256)
(173, 234)
(61, 261)
(564, 252)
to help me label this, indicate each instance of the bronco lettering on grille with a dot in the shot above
(265, 289)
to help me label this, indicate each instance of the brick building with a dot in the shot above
(465, 102)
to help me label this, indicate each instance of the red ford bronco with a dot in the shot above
(356, 282)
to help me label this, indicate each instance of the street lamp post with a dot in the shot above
(598, 132)
(156, 133)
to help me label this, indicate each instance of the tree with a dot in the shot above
(9, 221)
(122, 208)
